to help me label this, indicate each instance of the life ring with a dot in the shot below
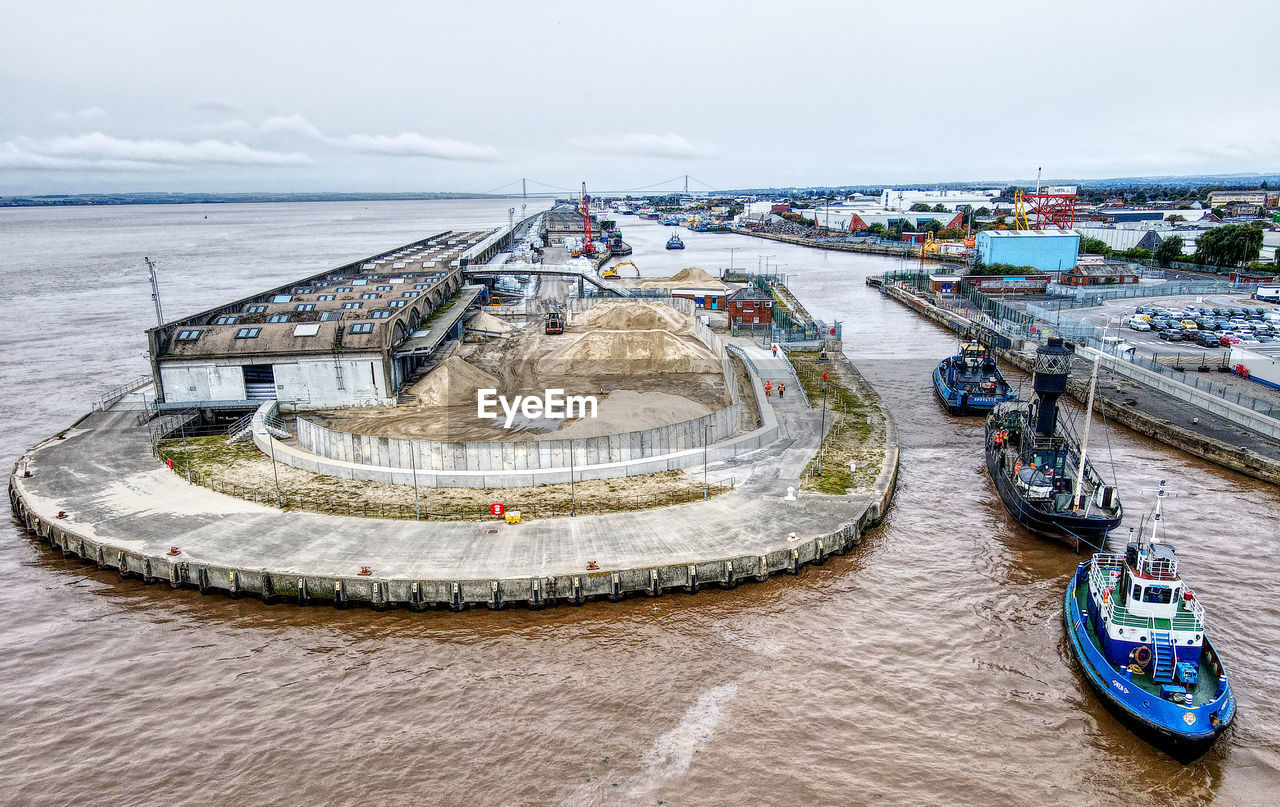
(1141, 655)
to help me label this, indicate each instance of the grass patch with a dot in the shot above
(855, 434)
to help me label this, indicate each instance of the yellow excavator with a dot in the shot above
(612, 271)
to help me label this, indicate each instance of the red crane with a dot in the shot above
(588, 246)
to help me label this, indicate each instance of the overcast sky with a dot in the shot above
(328, 96)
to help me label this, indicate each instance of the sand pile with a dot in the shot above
(628, 352)
(634, 316)
(488, 322)
(625, 410)
(693, 274)
(453, 383)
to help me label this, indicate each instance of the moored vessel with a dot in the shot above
(1138, 633)
(970, 382)
(1039, 467)
(674, 242)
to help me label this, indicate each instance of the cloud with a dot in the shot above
(98, 150)
(217, 106)
(89, 113)
(666, 146)
(404, 144)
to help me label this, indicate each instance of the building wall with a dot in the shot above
(313, 382)
(1048, 253)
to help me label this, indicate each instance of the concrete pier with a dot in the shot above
(95, 491)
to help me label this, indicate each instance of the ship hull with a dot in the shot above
(1161, 723)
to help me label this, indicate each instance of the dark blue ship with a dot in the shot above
(970, 383)
(674, 242)
(1041, 469)
(1138, 633)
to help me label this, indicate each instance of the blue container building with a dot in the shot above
(1051, 250)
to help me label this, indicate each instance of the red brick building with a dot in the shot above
(750, 306)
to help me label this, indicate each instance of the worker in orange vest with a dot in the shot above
(782, 388)
(768, 388)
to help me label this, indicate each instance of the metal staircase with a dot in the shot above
(1166, 657)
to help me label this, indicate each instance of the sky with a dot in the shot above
(472, 97)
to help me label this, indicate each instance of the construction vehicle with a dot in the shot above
(612, 271)
(555, 322)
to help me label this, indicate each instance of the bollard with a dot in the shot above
(268, 589)
(455, 597)
(577, 591)
(729, 580)
(339, 594)
(535, 593)
(764, 570)
(693, 579)
(655, 584)
(615, 587)
(302, 591)
(495, 595)
(795, 561)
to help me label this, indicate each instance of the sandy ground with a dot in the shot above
(638, 358)
(245, 472)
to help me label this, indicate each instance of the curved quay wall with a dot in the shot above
(381, 593)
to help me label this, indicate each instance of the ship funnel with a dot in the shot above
(1053, 366)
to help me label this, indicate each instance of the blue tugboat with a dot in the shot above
(970, 382)
(1041, 469)
(674, 242)
(1138, 634)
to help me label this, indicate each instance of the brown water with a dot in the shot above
(927, 666)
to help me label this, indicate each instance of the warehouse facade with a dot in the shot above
(1049, 250)
(344, 337)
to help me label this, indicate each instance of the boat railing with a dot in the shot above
(1158, 568)
(1189, 617)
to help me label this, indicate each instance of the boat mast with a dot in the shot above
(1084, 441)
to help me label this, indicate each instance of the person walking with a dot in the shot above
(775, 351)
(768, 388)
(782, 389)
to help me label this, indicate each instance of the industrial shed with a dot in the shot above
(1049, 250)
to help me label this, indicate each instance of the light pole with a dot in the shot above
(822, 433)
(413, 466)
(271, 441)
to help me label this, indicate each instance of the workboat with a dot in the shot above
(616, 245)
(970, 382)
(1138, 634)
(1039, 467)
(671, 221)
(674, 242)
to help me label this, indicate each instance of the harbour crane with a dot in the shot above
(588, 246)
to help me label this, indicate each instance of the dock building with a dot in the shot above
(349, 336)
(1049, 250)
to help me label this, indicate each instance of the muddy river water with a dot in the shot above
(928, 666)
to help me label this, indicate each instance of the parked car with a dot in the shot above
(1221, 312)
(1171, 335)
(1139, 324)
(1228, 339)
(1206, 339)
(1189, 325)
(1264, 338)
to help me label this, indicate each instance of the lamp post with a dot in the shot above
(822, 433)
(413, 467)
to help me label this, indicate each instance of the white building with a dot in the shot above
(895, 199)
